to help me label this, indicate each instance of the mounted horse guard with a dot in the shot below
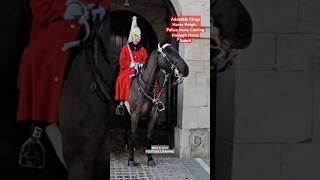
(141, 91)
(32, 153)
(131, 59)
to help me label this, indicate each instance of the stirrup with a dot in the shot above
(32, 153)
(120, 109)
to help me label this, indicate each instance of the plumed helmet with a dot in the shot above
(135, 30)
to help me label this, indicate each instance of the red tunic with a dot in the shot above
(123, 80)
(43, 61)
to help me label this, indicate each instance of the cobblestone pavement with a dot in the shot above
(168, 167)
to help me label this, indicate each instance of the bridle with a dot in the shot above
(223, 59)
(173, 68)
(90, 46)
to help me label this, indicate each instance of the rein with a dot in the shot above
(91, 48)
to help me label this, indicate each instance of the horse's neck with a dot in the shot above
(151, 71)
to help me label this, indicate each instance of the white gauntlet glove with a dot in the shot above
(133, 64)
(73, 10)
(97, 11)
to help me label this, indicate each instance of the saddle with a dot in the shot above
(160, 106)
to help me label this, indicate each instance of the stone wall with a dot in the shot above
(268, 106)
(192, 134)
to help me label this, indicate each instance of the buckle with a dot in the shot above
(160, 106)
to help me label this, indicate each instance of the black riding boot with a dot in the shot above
(32, 153)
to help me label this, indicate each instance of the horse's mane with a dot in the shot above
(153, 53)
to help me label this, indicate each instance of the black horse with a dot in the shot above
(86, 108)
(142, 99)
(81, 140)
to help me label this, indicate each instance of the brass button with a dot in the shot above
(73, 26)
(56, 79)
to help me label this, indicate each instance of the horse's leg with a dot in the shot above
(149, 137)
(90, 160)
(132, 138)
(101, 164)
(126, 126)
(78, 171)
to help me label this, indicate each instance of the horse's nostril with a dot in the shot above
(186, 70)
(186, 73)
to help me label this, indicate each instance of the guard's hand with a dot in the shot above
(133, 64)
(73, 11)
(97, 12)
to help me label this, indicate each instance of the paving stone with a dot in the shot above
(167, 167)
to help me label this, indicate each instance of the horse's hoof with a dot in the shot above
(131, 163)
(151, 163)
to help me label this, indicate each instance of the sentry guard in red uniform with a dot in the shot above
(132, 57)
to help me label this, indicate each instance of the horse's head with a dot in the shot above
(231, 30)
(223, 53)
(170, 60)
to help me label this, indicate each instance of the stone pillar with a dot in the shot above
(268, 120)
(193, 127)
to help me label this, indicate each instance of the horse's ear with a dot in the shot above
(161, 43)
(164, 42)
